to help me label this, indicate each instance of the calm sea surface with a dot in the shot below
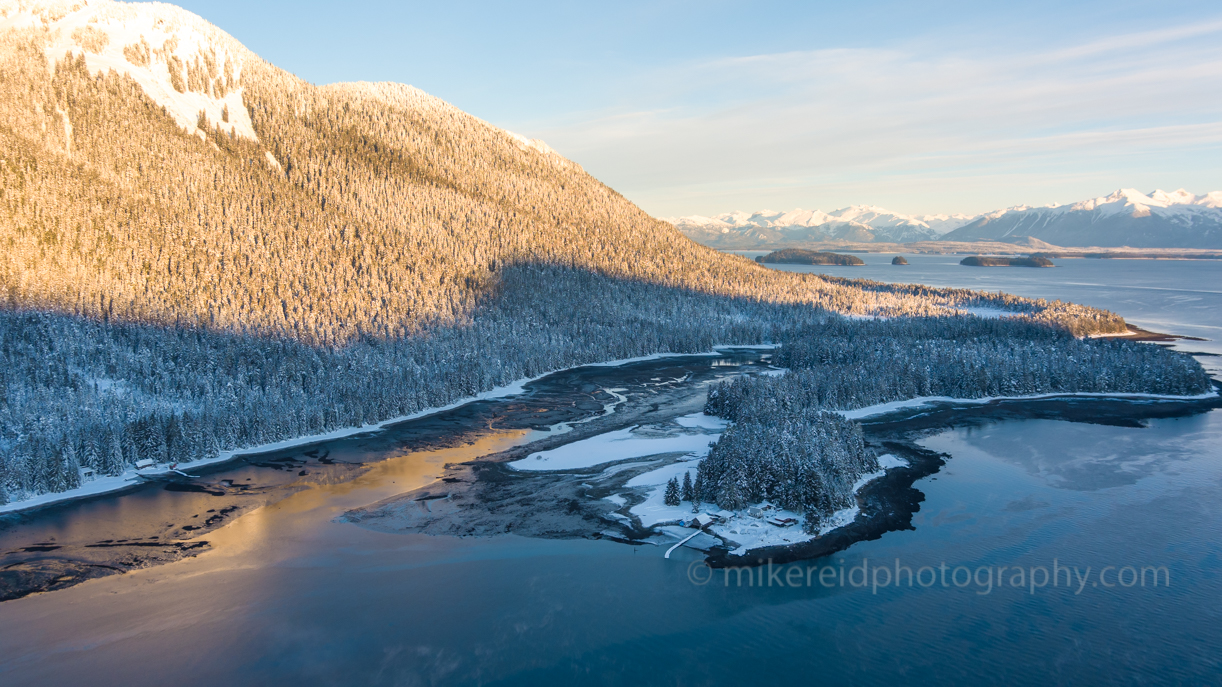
(287, 596)
(1173, 296)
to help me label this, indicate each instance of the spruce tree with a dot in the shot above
(113, 463)
(671, 498)
(71, 466)
(687, 493)
(91, 456)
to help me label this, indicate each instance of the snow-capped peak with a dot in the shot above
(1211, 200)
(180, 61)
(1130, 200)
(869, 223)
(1180, 197)
(864, 216)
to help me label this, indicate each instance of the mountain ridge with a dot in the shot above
(350, 210)
(854, 223)
(1126, 217)
(1160, 219)
(173, 287)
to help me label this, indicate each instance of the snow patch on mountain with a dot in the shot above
(182, 62)
(540, 147)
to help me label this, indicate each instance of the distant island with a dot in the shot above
(980, 261)
(899, 260)
(798, 256)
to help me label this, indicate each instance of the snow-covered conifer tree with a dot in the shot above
(671, 496)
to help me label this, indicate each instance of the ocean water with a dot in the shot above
(1182, 297)
(289, 596)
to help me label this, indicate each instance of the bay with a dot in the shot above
(289, 595)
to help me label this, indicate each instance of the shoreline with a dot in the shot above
(906, 460)
(131, 479)
(484, 496)
(983, 247)
(1136, 333)
(888, 502)
(896, 406)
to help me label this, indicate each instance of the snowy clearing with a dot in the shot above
(991, 313)
(653, 509)
(702, 421)
(742, 529)
(754, 533)
(610, 447)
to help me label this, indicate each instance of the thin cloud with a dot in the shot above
(901, 115)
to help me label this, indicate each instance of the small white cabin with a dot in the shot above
(87, 474)
(145, 464)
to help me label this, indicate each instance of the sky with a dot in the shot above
(708, 107)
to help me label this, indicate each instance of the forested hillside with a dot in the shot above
(203, 252)
(355, 209)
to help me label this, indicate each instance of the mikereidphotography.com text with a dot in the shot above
(981, 579)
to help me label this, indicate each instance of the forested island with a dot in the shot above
(986, 261)
(799, 256)
(899, 260)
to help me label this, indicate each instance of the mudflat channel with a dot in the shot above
(167, 519)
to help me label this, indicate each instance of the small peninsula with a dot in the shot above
(798, 256)
(981, 261)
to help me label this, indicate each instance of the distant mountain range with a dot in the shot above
(1124, 218)
(854, 223)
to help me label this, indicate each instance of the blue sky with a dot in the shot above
(706, 107)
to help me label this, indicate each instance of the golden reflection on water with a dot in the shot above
(316, 505)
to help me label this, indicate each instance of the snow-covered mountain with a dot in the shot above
(1127, 217)
(855, 223)
(182, 62)
(1124, 218)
